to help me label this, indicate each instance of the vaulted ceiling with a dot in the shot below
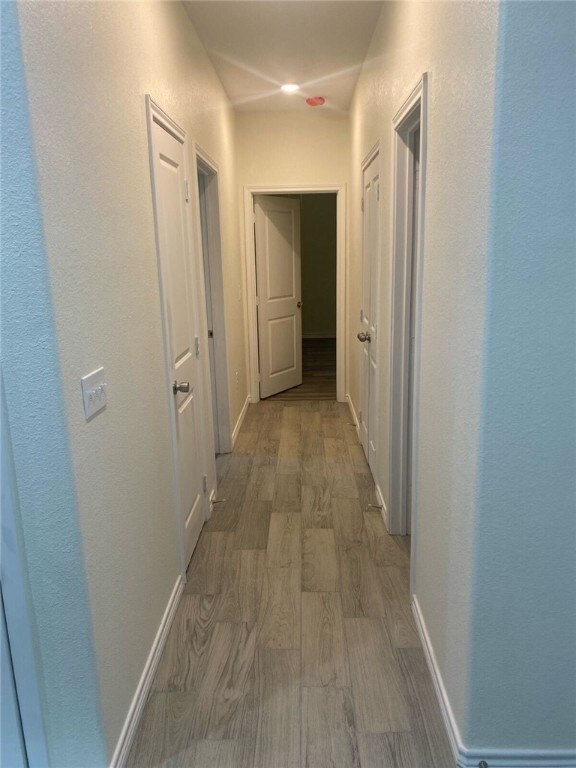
(258, 45)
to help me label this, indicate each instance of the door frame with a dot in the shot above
(18, 611)
(250, 244)
(154, 113)
(206, 166)
(412, 113)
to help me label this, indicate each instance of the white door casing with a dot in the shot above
(171, 200)
(278, 269)
(368, 416)
(210, 232)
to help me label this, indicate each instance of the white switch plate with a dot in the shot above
(94, 392)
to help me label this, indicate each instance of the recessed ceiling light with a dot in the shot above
(290, 87)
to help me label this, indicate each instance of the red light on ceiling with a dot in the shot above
(316, 101)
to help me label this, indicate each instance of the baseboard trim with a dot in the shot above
(439, 689)
(385, 515)
(354, 415)
(137, 706)
(239, 421)
(470, 757)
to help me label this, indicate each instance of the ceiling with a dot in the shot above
(257, 45)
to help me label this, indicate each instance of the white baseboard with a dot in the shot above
(145, 682)
(240, 420)
(465, 757)
(385, 516)
(440, 690)
(354, 415)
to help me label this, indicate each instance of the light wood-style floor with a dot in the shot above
(294, 644)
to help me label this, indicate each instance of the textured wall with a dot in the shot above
(35, 415)
(523, 685)
(292, 148)
(318, 240)
(456, 44)
(88, 67)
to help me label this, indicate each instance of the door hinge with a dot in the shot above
(187, 190)
(210, 334)
(205, 483)
(361, 315)
(362, 205)
(196, 346)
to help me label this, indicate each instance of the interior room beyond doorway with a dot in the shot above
(318, 252)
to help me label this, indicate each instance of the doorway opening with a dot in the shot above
(318, 298)
(408, 227)
(209, 209)
(295, 264)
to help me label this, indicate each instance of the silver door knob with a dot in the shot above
(183, 386)
(300, 304)
(363, 336)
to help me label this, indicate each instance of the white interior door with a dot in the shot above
(278, 282)
(171, 201)
(368, 415)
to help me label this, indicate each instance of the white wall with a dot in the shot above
(88, 67)
(456, 44)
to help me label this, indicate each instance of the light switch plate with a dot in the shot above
(94, 392)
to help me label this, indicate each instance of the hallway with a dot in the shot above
(294, 643)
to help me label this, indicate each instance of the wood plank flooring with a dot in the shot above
(318, 372)
(294, 645)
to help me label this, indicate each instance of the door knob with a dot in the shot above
(183, 386)
(363, 336)
(299, 304)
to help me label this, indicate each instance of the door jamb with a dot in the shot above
(209, 168)
(252, 318)
(413, 112)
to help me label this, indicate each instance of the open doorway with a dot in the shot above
(409, 196)
(213, 285)
(296, 293)
(317, 303)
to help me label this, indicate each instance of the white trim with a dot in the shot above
(341, 261)
(372, 153)
(466, 757)
(238, 426)
(380, 499)
(18, 610)
(354, 415)
(439, 688)
(146, 679)
(414, 111)
(209, 168)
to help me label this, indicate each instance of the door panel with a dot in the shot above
(369, 315)
(278, 269)
(176, 269)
